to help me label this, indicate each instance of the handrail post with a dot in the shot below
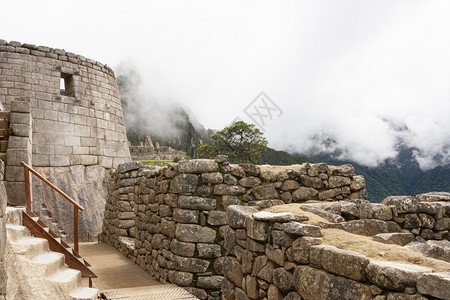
(75, 228)
(27, 189)
(6, 126)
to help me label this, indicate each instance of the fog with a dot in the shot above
(358, 76)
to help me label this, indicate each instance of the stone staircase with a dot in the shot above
(35, 272)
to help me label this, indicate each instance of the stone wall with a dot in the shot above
(3, 201)
(276, 256)
(172, 222)
(77, 122)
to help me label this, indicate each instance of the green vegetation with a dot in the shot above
(156, 162)
(242, 142)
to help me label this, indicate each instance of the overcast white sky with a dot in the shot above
(355, 71)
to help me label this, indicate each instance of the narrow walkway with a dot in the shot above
(120, 278)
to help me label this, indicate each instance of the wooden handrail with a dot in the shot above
(76, 206)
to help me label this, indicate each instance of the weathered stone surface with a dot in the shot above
(403, 204)
(199, 293)
(266, 271)
(184, 183)
(435, 249)
(344, 262)
(397, 238)
(394, 276)
(366, 227)
(227, 288)
(212, 178)
(304, 193)
(401, 296)
(217, 218)
(210, 282)
(251, 169)
(126, 167)
(230, 200)
(426, 221)
(312, 283)
(381, 212)
(182, 248)
(208, 250)
(195, 233)
(267, 191)
(232, 270)
(192, 202)
(198, 166)
(238, 216)
(180, 278)
(301, 248)
(281, 238)
(338, 181)
(275, 255)
(229, 236)
(346, 209)
(168, 228)
(279, 217)
(273, 293)
(188, 264)
(225, 189)
(434, 196)
(283, 279)
(435, 284)
(251, 287)
(358, 183)
(250, 182)
(411, 221)
(296, 228)
(321, 212)
(290, 185)
(442, 224)
(434, 209)
(343, 170)
(185, 215)
(257, 230)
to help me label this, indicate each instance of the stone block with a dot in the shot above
(14, 173)
(238, 216)
(367, 227)
(312, 283)
(403, 204)
(192, 202)
(283, 279)
(210, 282)
(435, 284)
(185, 215)
(16, 193)
(184, 183)
(250, 182)
(296, 228)
(343, 262)
(279, 217)
(212, 178)
(381, 212)
(195, 233)
(180, 278)
(41, 160)
(225, 189)
(88, 160)
(88, 142)
(217, 218)
(230, 200)
(304, 193)
(232, 270)
(198, 166)
(126, 167)
(182, 248)
(301, 248)
(257, 230)
(20, 106)
(19, 142)
(15, 156)
(106, 162)
(338, 181)
(20, 130)
(187, 264)
(208, 250)
(20, 118)
(397, 238)
(3, 199)
(394, 276)
(267, 191)
(80, 150)
(59, 160)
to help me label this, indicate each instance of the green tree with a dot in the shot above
(242, 142)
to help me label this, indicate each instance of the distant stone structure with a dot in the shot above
(66, 121)
(148, 151)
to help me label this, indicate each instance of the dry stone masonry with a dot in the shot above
(66, 121)
(172, 221)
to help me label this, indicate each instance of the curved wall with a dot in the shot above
(82, 125)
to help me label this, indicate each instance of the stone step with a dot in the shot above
(66, 279)
(84, 293)
(49, 261)
(16, 232)
(13, 215)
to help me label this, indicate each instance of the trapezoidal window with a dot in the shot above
(66, 85)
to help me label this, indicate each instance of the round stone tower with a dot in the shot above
(66, 121)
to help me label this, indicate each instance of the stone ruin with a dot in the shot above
(206, 225)
(148, 151)
(66, 121)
